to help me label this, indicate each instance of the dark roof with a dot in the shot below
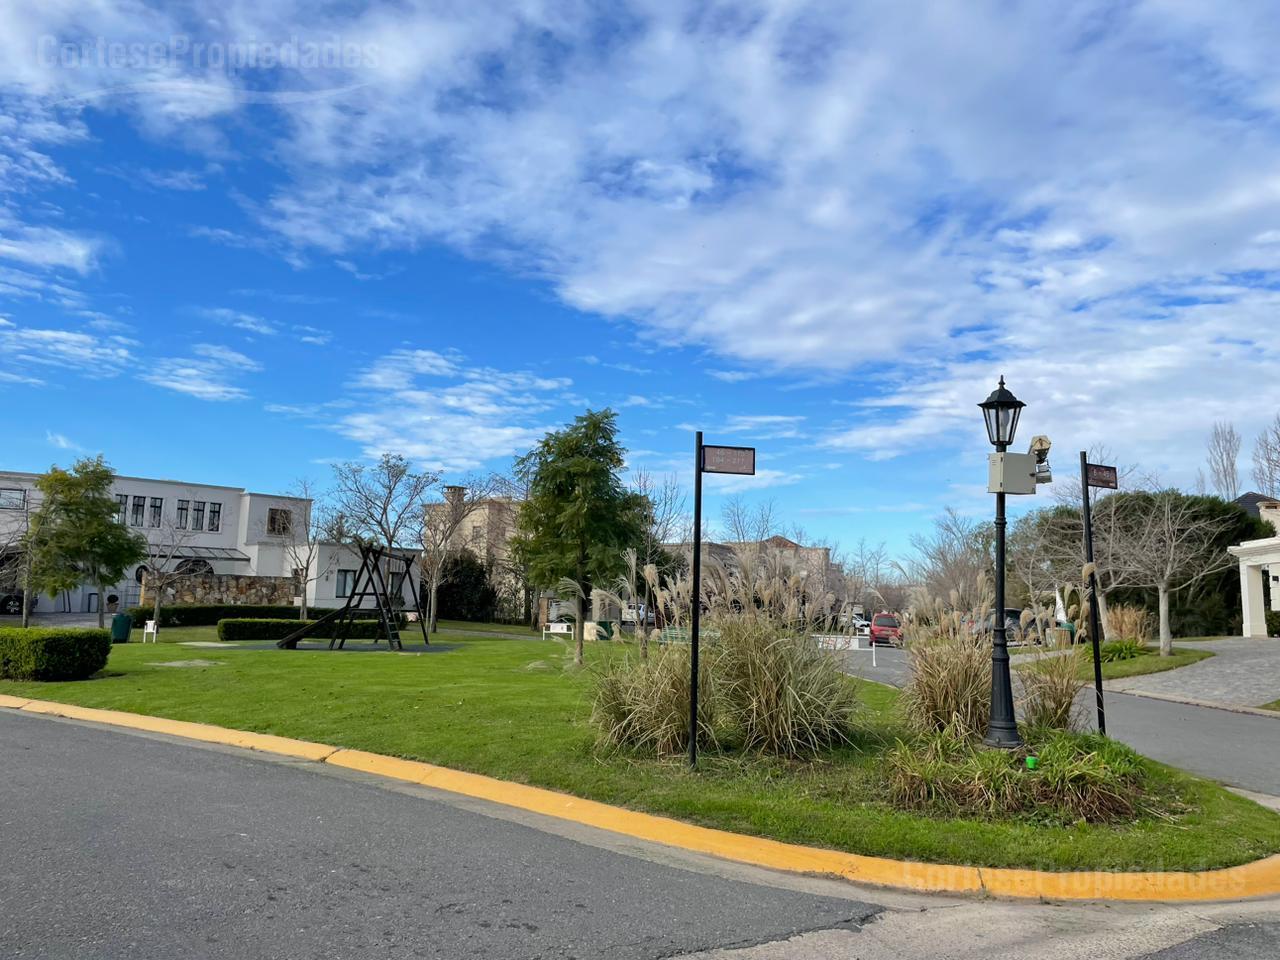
(1249, 502)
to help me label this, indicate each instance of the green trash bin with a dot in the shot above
(121, 624)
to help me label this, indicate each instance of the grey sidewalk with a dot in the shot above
(1242, 672)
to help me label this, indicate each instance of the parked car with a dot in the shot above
(11, 604)
(886, 629)
(1012, 625)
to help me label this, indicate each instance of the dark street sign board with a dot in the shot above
(1104, 477)
(741, 460)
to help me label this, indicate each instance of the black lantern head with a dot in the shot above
(1001, 411)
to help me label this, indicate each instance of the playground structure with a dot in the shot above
(369, 582)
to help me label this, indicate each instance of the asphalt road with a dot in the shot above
(115, 846)
(1241, 750)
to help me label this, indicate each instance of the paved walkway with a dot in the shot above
(1243, 672)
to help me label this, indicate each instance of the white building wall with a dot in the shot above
(241, 526)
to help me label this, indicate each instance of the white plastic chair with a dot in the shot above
(149, 628)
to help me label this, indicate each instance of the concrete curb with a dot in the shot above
(1167, 698)
(1258, 879)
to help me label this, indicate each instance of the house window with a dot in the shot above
(139, 511)
(157, 510)
(394, 588)
(215, 517)
(197, 515)
(183, 506)
(279, 521)
(346, 583)
(122, 508)
(13, 498)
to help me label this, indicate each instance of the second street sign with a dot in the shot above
(741, 460)
(1103, 477)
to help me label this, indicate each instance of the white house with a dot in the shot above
(213, 532)
(1260, 562)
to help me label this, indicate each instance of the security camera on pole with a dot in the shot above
(1016, 473)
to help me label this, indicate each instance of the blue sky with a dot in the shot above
(823, 229)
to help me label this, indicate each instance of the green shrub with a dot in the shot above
(1114, 651)
(1077, 777)
(1273, 623)
(206, 615)
(54, 653)
(252, 628)
(950, 685)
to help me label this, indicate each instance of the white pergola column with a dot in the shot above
(1255, 610)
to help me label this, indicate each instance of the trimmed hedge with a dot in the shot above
(206, 615)
(52, 653)
(1273, 623)
(260, 628)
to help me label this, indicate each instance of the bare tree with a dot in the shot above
(17, 555)
(748, 525)
(384, 503)
(1266, 459)
(440, 533)
(1173, 546)
(1223, 460)
(304, 538)
(952, 561)
(169, 562)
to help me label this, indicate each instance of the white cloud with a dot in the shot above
(926, 194)
(208, 375)
(248, 322)
(61, 441)
(25, 350)
(733, 376)
(446, 415)
(48, 247)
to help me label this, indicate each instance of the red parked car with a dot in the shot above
(885, 629)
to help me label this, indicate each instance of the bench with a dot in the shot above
(557, 629)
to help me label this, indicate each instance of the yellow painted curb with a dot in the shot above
(264, 742)
(1258, 879)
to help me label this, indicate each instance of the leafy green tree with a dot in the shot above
(76, 536)
(578, 517)
(465, 592)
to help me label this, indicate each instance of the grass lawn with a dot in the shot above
(1273, 705)
(467, 626)
(1149, 662)
(515, 709)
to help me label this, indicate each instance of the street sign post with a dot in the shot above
(706, 459)
(1107, 478)
(1098, 475)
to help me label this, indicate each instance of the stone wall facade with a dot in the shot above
(214, 588)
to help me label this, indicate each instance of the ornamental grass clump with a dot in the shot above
(1129, 622)
(644, 704)
(764, 684)
(1050, 688)
(776, 692)
(950, 685)
(1075, 778)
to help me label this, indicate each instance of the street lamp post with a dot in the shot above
(1001, 411)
